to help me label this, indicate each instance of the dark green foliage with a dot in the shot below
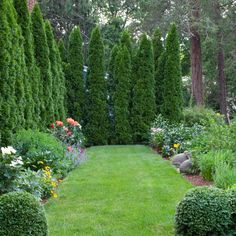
(43, 62)
(111, 89)
(55, 70)
(17, 70)
(126, 41)
(143, 100)
(159, 65)
(74, 76)
(172, 105)
(63, 51)
(203, 211)
(232, 199)
(7, 94)
(96, 127)
(21, 214)
(122, 97)
(32, 73)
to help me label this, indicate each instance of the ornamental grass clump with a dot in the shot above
(22, 214)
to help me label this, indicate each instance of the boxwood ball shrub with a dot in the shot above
(203, 211)
(21, 214)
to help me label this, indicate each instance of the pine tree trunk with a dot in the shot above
(221, 64)
(196, 62)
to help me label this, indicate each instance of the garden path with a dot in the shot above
(117, 191)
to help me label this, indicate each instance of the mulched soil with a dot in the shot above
(197, 180)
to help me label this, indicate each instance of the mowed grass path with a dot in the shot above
(118, 191)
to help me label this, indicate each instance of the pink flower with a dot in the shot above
(59, 123)
(70, 121)
(52, 126)
(69, 133)
(70, 149)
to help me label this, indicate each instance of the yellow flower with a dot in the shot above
(41, 162)
(55, 195)
(54, 184)
(176, 145)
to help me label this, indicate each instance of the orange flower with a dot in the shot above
(76, 123)
(59, 123)
(70, 121)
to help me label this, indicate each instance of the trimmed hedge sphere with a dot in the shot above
(232, 199)
(21, 215)
(203, 211)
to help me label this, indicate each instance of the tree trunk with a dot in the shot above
(196, 54)
(221, 64)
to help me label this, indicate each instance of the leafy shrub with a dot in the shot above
(203, 211)
(225, 175)
(232, 199)
(10, 168)
(39, 149)
(31, 182)
(172, 138)
(201, 116)
(21, 214)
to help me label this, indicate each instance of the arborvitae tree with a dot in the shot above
(7, 101)
(111, 88)
(74, 78)
(126, 41)
(24, 20)
(54, 68)
(143, 101)
(63, 51)
(160, 76)
(17, 70)
(43, 62)
(123, 133)
(96, 128)
(172, 87)
(62, 89)
(157, 52)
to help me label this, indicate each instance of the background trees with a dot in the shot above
(74, 76)
(96, 121)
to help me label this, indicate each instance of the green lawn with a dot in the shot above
(118, 191)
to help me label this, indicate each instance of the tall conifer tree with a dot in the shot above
(123, 133)
(74, 77)
(157, 52)
(96, 128)
(172, 106)
(7, 101)
(54, 68)
(143, 100)
(111, 88)
(32, 109)
(43, 62)
(17, 70)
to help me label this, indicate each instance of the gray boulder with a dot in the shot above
(180, 158)
(186, 166)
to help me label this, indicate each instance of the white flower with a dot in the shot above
(18, 161)
(8, 150)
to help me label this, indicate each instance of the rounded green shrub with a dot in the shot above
(203, 211)
(232, 199)
(21, 214)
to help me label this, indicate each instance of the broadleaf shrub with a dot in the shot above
(21, 214)
(39, 149)
(204, 211)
